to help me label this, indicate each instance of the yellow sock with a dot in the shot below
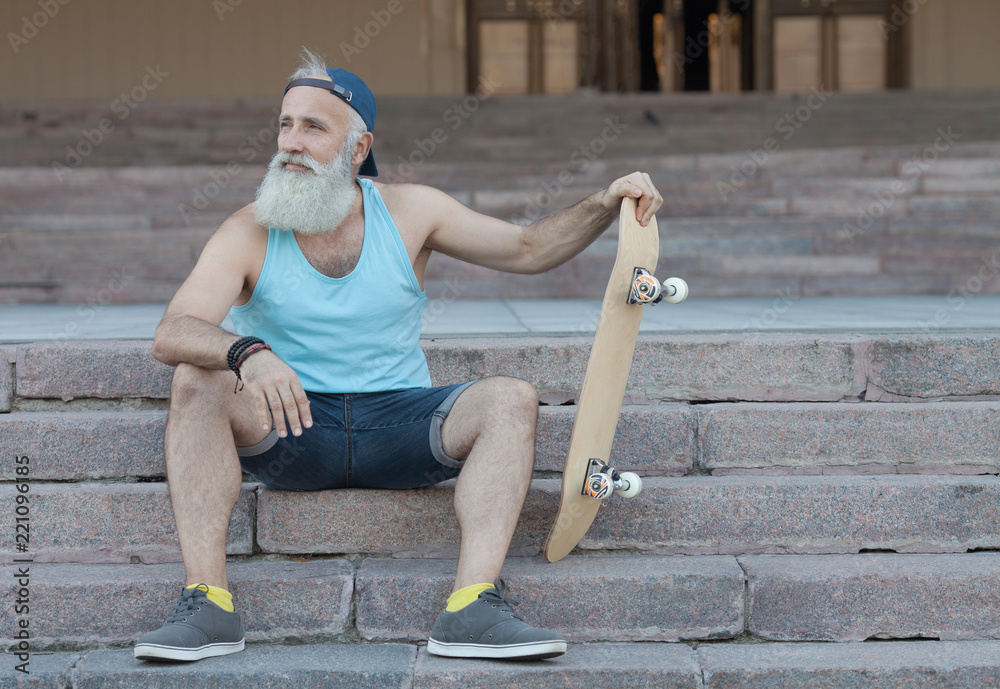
(463, 597)
(221, 597)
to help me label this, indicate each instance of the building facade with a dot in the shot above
(99, 49)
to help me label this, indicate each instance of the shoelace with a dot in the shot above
(189, 601)
(496, 594)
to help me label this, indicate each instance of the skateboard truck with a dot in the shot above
(602, 478)
(646, 289)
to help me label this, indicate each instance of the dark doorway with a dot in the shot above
(744, 9)
(649, 76)
(696, 39)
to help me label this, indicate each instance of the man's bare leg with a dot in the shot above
(204, 426)
(492, 425)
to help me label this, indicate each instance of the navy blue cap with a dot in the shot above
(351, 89)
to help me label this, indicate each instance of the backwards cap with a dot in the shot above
(351, 89)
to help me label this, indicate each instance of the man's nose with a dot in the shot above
(290, 140)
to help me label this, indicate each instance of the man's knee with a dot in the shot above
(191, 384)
(516, 397)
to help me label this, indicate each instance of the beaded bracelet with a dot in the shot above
(237, 352)
(238, 347)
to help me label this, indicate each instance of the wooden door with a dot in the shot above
(833, 45)
(552, 46)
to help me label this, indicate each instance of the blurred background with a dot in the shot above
(804, 147)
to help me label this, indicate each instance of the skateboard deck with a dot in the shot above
(600, 400)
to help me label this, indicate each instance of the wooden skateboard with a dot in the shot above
(588, 478)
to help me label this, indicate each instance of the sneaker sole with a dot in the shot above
(536, 650)
(157, 652)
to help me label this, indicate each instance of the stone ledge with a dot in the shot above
(655, 440)
(897, 665)
(84, 445)
(890, 437)
(652, 440)
(878, 595)
(111, 522)
(914, 367)
(658, 440)
(688, 515)
(8, 355)
(81, 605)
(604, 666)
(750, 366)
(322, 666)
(44, 671)
(101, 368)
(617, 598)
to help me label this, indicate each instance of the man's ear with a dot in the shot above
(362, 148)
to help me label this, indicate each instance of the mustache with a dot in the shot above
(283, 157)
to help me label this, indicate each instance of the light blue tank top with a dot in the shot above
(358, 333)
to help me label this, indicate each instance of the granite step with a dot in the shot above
(101, 522)
(82, 605)
(873, 596)
(179, 197)
(788, 272)
(744, 365)
(95, 445)
(751, 212)
(162, 188)
(668, 439)
(800, 438)
(530, 128)
(821, 173)
(602, 598)
(896, 665)
(618, 598)
(684, 515)
(749, 275)
(630, 598)
(105, 522)
(371, 666)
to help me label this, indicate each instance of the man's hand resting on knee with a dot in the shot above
(277, 393)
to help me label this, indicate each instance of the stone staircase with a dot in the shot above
(491, 128)
(850, 221)
(764, 194)
(818, 510)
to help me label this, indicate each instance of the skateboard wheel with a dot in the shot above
(599, 486)
(646, 289)
(632, 485)
(675, 290)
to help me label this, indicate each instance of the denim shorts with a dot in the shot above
(364, 440)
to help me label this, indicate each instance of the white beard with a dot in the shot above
(307, 202)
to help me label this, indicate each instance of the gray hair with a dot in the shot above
(313, 66)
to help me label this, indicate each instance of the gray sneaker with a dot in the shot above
(488, 628)
(196, 629)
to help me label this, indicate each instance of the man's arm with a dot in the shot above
(190, 332)
(469, 236)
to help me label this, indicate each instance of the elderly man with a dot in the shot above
(323, 278)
